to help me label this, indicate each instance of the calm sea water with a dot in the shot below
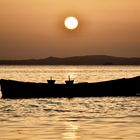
(69, 119)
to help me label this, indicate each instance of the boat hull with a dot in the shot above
(120, 87)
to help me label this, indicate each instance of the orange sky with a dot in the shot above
(35, 29)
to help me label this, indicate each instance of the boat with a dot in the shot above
(119, 87)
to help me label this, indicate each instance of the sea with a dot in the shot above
(104, 118)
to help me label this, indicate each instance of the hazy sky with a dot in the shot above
(35, 28)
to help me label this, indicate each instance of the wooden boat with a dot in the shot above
(119, 87)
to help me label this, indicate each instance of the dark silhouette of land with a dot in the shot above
(76, 60)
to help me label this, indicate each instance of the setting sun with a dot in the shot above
(71, 23)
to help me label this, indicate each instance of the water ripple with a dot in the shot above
(104, 118)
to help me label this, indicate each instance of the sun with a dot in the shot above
(71, 23)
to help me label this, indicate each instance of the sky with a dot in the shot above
(35, 28)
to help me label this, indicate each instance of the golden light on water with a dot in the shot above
(71, 131)
(71, 23)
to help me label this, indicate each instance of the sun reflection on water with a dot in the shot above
(71, 131)
(75, 119)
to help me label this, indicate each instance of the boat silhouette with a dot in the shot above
(118, 87)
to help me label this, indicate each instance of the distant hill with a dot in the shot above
(76, 60)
